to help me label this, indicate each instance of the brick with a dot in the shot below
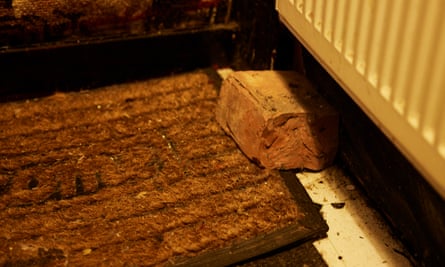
(278, 119)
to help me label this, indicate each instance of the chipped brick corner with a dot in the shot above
(278, 119)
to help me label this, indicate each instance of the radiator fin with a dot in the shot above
(390, 57)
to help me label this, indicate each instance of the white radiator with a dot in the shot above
(389, 55)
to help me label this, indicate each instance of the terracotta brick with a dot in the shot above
(278, 119)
